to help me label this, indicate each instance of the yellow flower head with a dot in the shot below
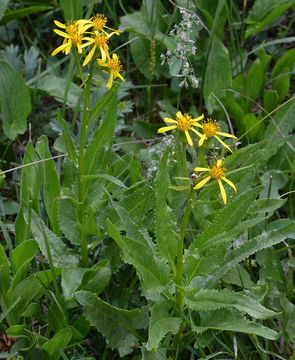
(113, 67)
(72, 36)
(211, 129)
(100, 41)
(216, 172)
(183, 123)
(98, 23)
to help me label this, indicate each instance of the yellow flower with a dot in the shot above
(99, 41)
(211, 129)
(98, 22)
(72, 35)
(183, 123)
(113, 66)
(216, 172)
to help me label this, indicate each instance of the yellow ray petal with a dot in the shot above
(201, 169)
(226, 135)
(219, 162)
(198, 118)
(120, 76)
(188, 138)
(68, 48)
(168, 120)
(166, 128)
(202, 183)
(60, 48)
(197, 124)
(59, 24)
(229, 182)
(196, 132)
(61, 33)
(223, 143)
(110, 82)
(179, 115)
(201, 142)
(89, 56)
(223, 193)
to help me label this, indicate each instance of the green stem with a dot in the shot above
(179, 264)
(78, 65)
(81, 212)
(185, 172)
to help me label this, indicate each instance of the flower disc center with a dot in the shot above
(101, 40)
(184, 123)
(210, 127)
(99, 22)
(217, 171)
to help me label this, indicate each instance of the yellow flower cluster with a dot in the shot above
(94, 33)
(210, 129)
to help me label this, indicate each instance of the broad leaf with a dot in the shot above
(50, 184)
(232, 321)
(161, 323)
(117, 325)
(165, 223)
(60, 253)
(250, 247)
(15, 101)
(216, 80)
(139, 251)
(205, 300)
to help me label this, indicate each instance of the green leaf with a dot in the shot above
(165, 223)
(29, 194)
(229, 217)
(96, 155)
(61, 255)
(250, 247)
(284, 120)
(23, 252)
(73, 9)
(282, 85)
(161, 323)
(285, 63)
(270, 100)
(263, 13)
(256, 133)
(68, 221)
(71, 277)
(4, 271)
(107, 177)
(96, 278)
(3, 6)
(67, 137)
(15, 101)
(114, 233)
(117, 325)
(57, 343)
(232, 321)
(139, 251)
(206, 300)
(50, 184)
(56, 86)
(23, 12)
(267, 205)
(214, 79)
(103, 103)
(30, 289)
